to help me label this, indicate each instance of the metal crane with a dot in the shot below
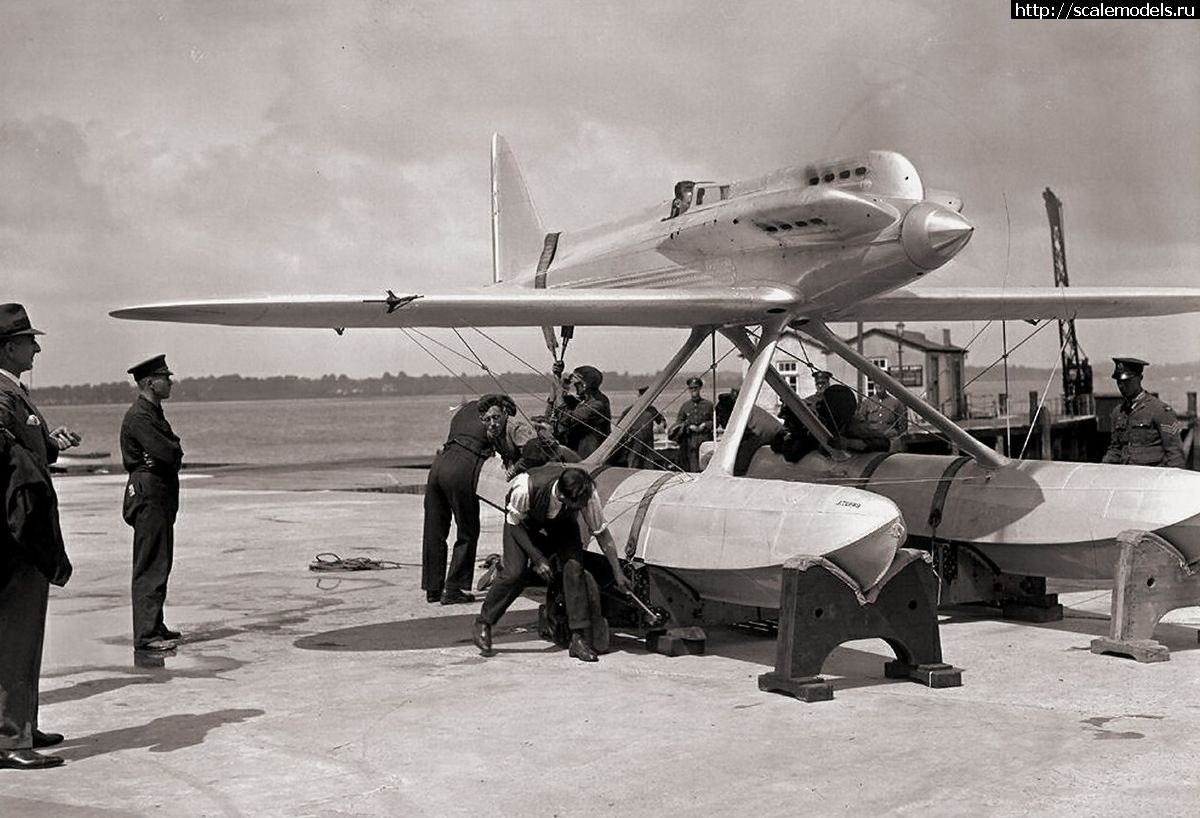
(1076, 371)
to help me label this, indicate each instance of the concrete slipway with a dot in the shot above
(347, 695)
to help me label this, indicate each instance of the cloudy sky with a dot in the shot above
(155, 151)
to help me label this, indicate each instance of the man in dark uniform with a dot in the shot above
(693, 426)
(1145, 431)
(31, 553)
(548, 509)
(151, 453)
(450, 494)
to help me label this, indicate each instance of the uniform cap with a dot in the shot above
(14, 321)
(1127, 368)
(694, 381)
(151, 366)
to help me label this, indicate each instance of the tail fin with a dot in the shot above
(517, 233)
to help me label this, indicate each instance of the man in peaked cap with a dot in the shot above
(1145, 431)
(32, 555)
(693, 425)
(151, 453)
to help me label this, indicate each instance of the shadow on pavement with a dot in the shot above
(422, 634)
(163, 735)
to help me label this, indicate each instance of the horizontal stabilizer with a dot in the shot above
(1022, 303)
(493, 307)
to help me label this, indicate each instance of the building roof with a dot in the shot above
(912, 339)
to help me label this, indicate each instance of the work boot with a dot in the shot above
(581, 650)
(456, 597)
(433, 596)
(27, 760)
(481, 635)
(157, 646)
(167, 633)
(41, 739)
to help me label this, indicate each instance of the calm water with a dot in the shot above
(290, 431)
(341, 429)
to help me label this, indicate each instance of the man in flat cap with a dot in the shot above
(151, 453)
(1145, 431)
(693, 425)
(32, 555)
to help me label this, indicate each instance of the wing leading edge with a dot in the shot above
(487, 308)
(1022, 303)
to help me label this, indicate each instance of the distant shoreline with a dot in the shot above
(293, 387)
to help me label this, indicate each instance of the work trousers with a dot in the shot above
(23, 595)
(560, 538)
(450, 494)
(153, 555)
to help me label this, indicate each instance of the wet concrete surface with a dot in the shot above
(303, 694)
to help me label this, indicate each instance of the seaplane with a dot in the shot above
(826, 241)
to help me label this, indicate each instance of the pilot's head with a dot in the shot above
(821, 378)
(694, 386)
(587, 379)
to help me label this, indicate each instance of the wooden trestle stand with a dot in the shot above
(1152, 578)
(821, 607)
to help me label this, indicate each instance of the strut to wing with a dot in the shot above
(498, 307)
(1021, 303)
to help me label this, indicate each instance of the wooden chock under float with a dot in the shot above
(1151, 579)
(821, 607)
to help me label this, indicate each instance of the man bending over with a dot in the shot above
(549, 510)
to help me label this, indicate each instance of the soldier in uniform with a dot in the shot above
(878, 424)
(693, 425)
(1145, 431)
(152, 456)
(32, 556)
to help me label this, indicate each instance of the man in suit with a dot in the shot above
(151, 453)
(32, 555)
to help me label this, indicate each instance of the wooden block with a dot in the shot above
(931, 675)
(810, 689)
(1141, 650)
(677, 642)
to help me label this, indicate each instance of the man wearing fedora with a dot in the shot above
(151, 453)
(1145, 431)
(32, 555)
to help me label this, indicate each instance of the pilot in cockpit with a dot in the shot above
(683, 198)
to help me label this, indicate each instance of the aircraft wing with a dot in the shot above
(493, 307)
(1021, 303)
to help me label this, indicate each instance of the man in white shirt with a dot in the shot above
(550, 510)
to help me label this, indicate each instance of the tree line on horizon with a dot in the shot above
(276, 387)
